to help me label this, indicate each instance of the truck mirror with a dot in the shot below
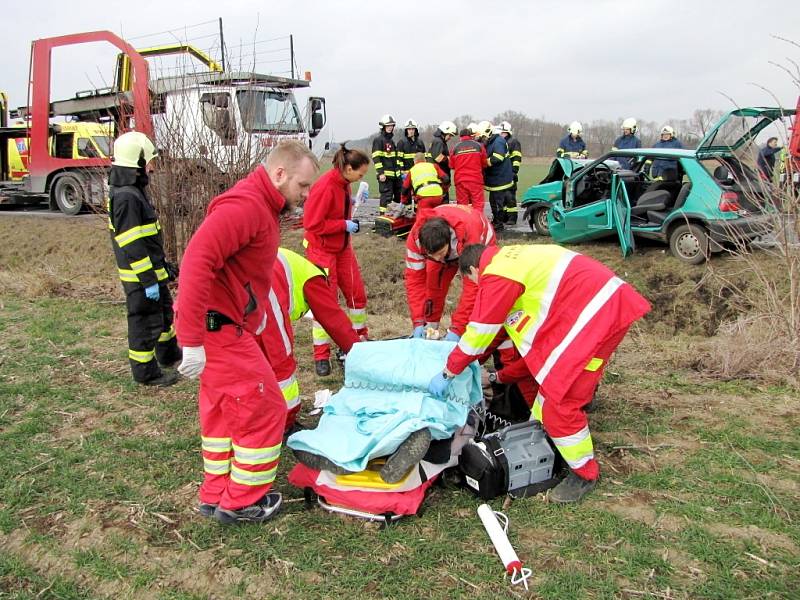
(316, 104)
(317, 121)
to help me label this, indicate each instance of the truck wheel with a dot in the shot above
(69, 193)
(689, 243)
(539, 220)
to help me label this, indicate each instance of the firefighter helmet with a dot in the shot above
(448, 128)
(505, 127)
(630, 123)
(484, 129)
(386, 120)
(575, 128)
(411, 124)
(132, 147)
(667, 130)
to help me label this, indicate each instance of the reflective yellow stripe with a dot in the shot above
(243, 477)
(577, 449)
(135, 233)
(256, 456)
(538, 406)
(127, 275)
(140, 266)
(358, 317)
(167, 335)
(498, 188)
(217, 467)
(499, 156)
(319, 336)
(291, 391)
(594, 364)
(477, 337)
(378, 165)
(161, 274)
(216, 444)
(142, 356)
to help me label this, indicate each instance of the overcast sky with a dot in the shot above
(584, 60)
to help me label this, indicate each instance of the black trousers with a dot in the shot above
(389, 190)
(500, 203)
(151, 334)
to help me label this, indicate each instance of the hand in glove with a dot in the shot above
(439, 384)
(352, 226)
(451, 337)
(152, 292)
(419, 332)
(193, 363)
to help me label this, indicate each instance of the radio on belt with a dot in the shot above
(516, 460)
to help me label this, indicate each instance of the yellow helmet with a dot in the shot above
(131, 147)
(484, 129)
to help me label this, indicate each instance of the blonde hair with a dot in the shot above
(289, 154)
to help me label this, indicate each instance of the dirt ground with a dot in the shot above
(700, 494)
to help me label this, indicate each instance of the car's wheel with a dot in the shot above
(689, 243)
(69, 194)
(538, 220)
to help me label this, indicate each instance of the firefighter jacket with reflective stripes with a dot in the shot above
(324, 214)
(439, 152)
(424, 180)
(135, 231)
(384, 155)
(498, 175)
(423, 277)
(227, 266)
(515, 153)
(298, 285)
(662, 164)
(557, 306)
(407, 148)
(468, 159)
(572, 148)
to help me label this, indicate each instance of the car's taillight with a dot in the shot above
(729, 202)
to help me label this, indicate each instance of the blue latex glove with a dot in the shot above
(419, 332)
(152, 292)
(451, 337)
(438, 385)
(352, 226)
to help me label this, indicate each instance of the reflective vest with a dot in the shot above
(297, 270)
(425, 180)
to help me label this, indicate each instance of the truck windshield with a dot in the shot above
(268, 111)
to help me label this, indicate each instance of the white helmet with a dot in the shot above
(667, 129)
(473, 127)
(386, 120)
(497, 130)
(630, 123)
(411, 124)
(484, 129)
(575, 128)
(505, 127)
(448, 127)
(132, 146)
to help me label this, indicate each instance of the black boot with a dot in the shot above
(165, 379)
(323, 367)
(410, 452)
(571, 489)
(319, 462)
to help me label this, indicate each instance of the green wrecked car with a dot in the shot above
(712, 198)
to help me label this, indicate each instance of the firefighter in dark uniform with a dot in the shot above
(408, 147)
(515, 155)
(498, 177)
(139, 251)
(387, 166)
(439, 152)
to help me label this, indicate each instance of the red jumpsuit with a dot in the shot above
(468, 160)
(428, 281)
(328, 246)
(226, 269)
(287, 306)
(584, 318)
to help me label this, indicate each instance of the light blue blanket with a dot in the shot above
(385, 398)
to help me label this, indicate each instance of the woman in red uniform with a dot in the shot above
(328, 223)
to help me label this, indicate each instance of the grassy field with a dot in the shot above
(700, 496)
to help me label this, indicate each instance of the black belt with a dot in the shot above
(215, 321)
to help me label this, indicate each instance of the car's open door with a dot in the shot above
(621, 215)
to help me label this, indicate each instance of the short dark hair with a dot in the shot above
(772, 139)
(465, 131)
(434, 234)
(470, 257)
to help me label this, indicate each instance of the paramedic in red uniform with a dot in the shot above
(298, 286)
(329, 224)
(566, 314)
(224, 285)
(468, 160)
(432, 251)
